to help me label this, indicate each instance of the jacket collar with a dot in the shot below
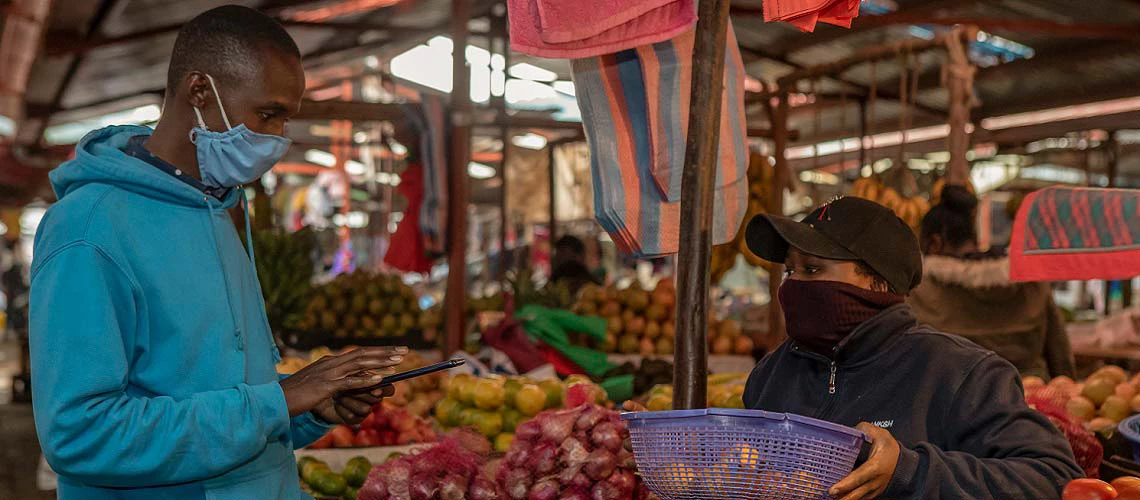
(968, 273)
(868, 339)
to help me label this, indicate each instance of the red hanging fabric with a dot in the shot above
(406, 250)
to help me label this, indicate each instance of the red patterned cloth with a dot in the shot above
(1064, 233)
(804, 14)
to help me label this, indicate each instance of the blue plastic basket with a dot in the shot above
(1130, 429)
(740, 454)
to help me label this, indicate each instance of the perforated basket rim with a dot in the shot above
(753, 414)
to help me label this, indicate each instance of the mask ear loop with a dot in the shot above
(201, 123)
(218, 97)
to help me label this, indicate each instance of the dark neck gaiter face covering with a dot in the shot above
(820, 314)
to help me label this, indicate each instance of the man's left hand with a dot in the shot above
(351, 409)
(870, 479)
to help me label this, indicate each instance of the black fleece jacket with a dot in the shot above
(957, 410)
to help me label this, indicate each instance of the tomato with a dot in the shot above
(366, 437)
(1128, 487)
(341, 436)
(324, 442)
(1088, 489)
(1125, 482)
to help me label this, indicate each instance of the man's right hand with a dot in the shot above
(356, 369)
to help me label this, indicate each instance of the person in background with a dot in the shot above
(946, 419)
(153, 363)
(968, 293)
(568, 264)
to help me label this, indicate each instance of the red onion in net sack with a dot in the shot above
(483, 489)
(557, 426)
(606, 435)
(600, 464)
(545, 489)
(573, 453)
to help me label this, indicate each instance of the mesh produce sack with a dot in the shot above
(1086, 448)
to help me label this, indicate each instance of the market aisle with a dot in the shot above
(19, 455)
(20, 452)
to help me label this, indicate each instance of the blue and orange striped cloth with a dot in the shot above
(1064, 233)
(635, 110)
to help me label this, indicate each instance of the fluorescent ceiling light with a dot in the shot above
(564, 86)
(70, 133)
(353, 167)
(398, 149)
(528, 71)
(322, 158)
(529, 140)
(7, 127)
(817, 177)
(1102, 108)
(480, 171)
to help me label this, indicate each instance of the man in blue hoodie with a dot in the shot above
(152, 360)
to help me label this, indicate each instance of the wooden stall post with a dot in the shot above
(690, 370)
(960, 79)
(455, 320)
(776, 327)
(499, 20)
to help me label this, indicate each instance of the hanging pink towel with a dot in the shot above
(589, 28)
(804, 14)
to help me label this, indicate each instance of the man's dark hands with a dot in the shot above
(351, 410)
(318, 383)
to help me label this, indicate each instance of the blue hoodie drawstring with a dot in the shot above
(225, 280)
(248, 233)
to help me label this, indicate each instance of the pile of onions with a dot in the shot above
(571, 454)
(454, 469)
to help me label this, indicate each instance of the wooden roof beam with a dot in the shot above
(863, 89)
(1037, 26)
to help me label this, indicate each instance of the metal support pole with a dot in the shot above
(690, 371)
(455, 320)
(862, 135)
(958, 142)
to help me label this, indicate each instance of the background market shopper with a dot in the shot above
(968, 293)
(947, 418)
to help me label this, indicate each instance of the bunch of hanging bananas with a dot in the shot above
(910, 209)
(760, 178)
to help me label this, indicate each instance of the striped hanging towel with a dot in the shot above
(1064, 233)
(637, 144)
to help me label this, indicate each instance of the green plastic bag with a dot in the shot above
(550, 326)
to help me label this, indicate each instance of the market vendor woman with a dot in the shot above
(152, 361)
(946, 418)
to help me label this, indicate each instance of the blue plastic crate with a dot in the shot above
(1130, 429)
(740, 454)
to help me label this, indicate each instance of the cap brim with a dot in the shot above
(769, 237)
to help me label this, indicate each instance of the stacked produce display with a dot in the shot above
(725, 337)
(651, 372)
(725, 390)
(320, 481)
(454, 469)
(570, 454)
(495, 405)
(1108, 396)
(363, 305)
(387, 425)
(638, 321)
(1121, 488)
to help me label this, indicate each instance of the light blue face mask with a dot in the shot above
(236, 156)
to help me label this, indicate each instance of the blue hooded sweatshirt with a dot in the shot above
(152, 362)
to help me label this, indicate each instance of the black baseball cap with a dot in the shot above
(846, 229)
